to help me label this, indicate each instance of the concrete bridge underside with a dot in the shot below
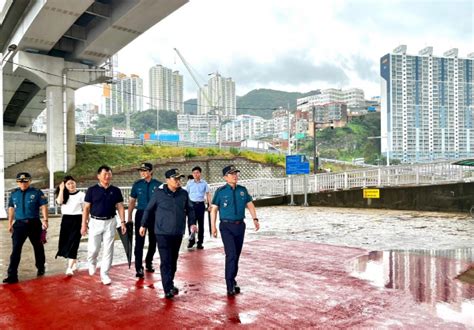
(51, 61)
(48, 49)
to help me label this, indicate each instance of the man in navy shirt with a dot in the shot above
(168, 208)
(101, 202)
(24, 205)
(198, 191)
(231, 200)
(142, 190)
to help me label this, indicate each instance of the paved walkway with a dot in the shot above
(306, 267)
(285, 284)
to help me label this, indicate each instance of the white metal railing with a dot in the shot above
(392, 176)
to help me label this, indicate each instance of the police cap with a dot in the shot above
(23, 177)
(145, 167)
(174, 173)
(229, 169)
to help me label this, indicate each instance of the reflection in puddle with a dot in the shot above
(428, 275)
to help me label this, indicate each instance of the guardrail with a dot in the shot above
(391, 176)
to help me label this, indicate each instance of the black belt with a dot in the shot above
(102, 218)
(235, 222)
(197, 202)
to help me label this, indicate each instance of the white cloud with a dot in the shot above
(270, 43)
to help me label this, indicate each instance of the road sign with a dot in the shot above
(371, 193)
(297, 164)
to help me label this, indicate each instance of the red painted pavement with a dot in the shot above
(285, 284)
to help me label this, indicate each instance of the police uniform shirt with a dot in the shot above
(197, 190)
(27, 203)
(142, 191)
(103, 200)
(231, 202)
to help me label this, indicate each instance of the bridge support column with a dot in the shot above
(61, 145)
(60, 78)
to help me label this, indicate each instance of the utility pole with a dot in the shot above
(315, 146)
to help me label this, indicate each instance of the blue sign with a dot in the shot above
(297, 164)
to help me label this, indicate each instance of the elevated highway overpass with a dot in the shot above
(50, 48)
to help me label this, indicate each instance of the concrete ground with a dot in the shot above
(307, 267)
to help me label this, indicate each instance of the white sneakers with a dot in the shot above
(69, 272)
(92, 269)
(106, 279)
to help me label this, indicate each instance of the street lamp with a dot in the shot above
(315, 146)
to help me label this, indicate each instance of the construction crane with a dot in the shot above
(194, 78)
(212, 108)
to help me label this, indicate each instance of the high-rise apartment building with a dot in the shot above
(166, 89)
(124, 95)
(218, 97)
(427, 105)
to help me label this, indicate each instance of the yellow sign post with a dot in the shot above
(371, 193)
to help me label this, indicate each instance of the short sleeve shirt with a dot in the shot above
(142, 191)
(27, 203)
(103, 200)
(231, 202)
(197, 190)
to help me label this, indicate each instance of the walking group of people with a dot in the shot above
(164, 210)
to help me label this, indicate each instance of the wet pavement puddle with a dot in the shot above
(431, 277)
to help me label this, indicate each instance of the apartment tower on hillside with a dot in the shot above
(427, 109)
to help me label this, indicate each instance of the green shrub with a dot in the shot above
(212, 152)
(190, 152)
(234, 151)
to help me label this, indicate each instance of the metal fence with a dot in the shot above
(392, 176)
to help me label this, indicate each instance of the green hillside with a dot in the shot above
(349, 142)
(262, 102)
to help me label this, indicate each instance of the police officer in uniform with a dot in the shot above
(24, 205)
(169, 206)
(231, 200)
(141, 193)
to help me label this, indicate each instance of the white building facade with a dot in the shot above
(124, 95)
(427, 105)
(218, 97)
(198, 128)
(353, 98)
(166, 89)
(246, 127)
(85, 115)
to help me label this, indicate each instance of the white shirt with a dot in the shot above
(74, 204)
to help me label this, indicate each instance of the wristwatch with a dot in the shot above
(255, 219)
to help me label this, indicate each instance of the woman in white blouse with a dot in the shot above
(72, 202)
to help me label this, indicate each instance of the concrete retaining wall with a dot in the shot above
(20, 146)
(458, 197)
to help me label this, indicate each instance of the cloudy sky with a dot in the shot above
(295, 45)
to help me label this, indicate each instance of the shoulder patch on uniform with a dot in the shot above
(43, 196)
(220, 188)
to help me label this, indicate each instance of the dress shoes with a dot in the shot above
(169, 295)
(175, 290)
(140, 273)
(236, 288)
(200, 246)
(40, 272)
(150, 269)
(10, 280)
(231, 293)
(191, 244)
